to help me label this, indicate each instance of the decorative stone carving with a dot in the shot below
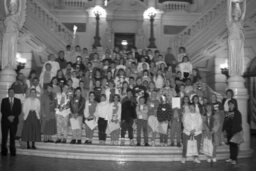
(236, 14)
(16, 14)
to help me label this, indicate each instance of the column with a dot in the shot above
(236, 62)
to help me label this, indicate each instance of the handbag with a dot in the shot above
(237, 138)
(112, 126)
(207, 147)
(192, 147)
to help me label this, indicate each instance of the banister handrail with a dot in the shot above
(199, 23)
(51, 20)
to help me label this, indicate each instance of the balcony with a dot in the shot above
(174, 5)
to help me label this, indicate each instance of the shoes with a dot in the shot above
(78, 142)
(50, 141)
(3, 153)
(33, 147)
(229, 160)
(146, 145)
(183, 160)
(214, 160)
(138, 144)
(58, 141)
(64, 141)
(13, 154)
(86, 142)
(172, 144)
(73, 141)
(233, 162)
(89, 142)
(196, 160)
(28, 147)
(179, 145)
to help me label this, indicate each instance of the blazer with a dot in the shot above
(7, 111)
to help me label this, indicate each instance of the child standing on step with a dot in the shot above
(176, 127)
(89, 116)
(142, 121)
(164, 112)
(77, 104)
(152, 119)
(114, 122)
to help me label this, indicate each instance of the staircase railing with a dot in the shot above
(201, 23)
(36, 9)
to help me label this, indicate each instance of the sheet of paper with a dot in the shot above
(75, 123)
(91, 124)
(176, 102)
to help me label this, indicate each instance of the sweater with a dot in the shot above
(192, 121)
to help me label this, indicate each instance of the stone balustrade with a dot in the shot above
(37, 10)
(169, 6)
(76, 3)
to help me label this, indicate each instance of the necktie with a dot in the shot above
(11, 102)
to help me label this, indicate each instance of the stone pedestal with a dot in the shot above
(7, 77)
(236, 83)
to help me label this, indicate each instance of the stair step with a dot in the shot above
(117, 153)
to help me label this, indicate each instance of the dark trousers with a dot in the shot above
(102, 125)
(185, 143)
(127, 126)
(233, 148)
(142, 125)
(6, 128)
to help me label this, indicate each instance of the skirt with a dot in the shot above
(49, 127)
(31, 128)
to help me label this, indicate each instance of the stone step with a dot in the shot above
(117, 153)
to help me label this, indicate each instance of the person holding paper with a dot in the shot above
(63, 106)
(90, 118)
(152, 119)
(77, 104)
(48, 105)
(192, 123)
(142, 121)
(102, 114)
(164, 114)
(115, 118)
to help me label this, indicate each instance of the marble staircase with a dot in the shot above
(117, 153)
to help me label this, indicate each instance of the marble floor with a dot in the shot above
(31, 163)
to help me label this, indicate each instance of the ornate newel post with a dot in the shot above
(236, 14)
(15, 18)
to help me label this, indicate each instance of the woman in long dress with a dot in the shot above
(31, 130)
(48, 105)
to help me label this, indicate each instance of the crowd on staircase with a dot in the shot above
(116, 92)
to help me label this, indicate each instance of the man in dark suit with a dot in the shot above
(10, 109)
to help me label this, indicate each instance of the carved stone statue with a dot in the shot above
(236, 15)
(15, 18)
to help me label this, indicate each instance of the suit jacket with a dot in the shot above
(7, 111)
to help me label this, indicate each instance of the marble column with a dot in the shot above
(15, 17)
(235, 19)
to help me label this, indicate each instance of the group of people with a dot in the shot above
(116, 92)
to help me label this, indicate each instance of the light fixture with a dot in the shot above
(149, 13)
(124, 43)
(224, 69)
(99, 11)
